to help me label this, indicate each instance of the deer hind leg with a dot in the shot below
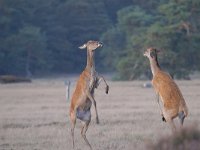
(83, 132)
(172, 125)
(73, 123)
(181, 117)
(95, 106)
(167, 116)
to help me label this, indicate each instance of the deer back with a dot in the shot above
(168, 90)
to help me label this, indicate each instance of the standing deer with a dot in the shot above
(173, 102)
(83, 96)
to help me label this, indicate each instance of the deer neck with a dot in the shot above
(155, 67)
(90, 61)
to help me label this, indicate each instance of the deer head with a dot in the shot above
(151, 53)
(91, 45)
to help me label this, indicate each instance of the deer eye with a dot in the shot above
(153, 54)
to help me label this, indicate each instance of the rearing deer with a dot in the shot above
(83, 96)
(173, 102)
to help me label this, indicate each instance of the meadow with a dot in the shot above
(34, 116)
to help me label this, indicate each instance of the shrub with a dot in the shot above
(13, 79)
(186, 139)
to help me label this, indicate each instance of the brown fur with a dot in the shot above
(173, 102)
(170, 94)
(79, 96)
(83, 96)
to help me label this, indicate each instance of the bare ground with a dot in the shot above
(34, 116)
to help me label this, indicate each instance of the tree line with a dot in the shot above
(40, 37)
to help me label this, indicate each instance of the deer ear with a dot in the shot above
(83, 46)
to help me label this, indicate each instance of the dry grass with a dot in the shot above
(35, 116)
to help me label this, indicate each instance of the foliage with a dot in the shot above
(171, 27)
(188, 138)
(13, 79)
(43, 36)
(114, 42)
(24, 52)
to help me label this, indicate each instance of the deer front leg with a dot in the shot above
(95, 107)
(100, 78)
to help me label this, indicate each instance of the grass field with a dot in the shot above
(34, 116)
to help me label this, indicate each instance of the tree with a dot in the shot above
(24, 52)
(171, 27)
(55, 29)
(114, 41)
(83, 21)
(129, 31)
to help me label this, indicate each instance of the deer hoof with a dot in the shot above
(97, 120)
(107, 89)
(163, 119)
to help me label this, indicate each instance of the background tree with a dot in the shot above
(41, 37)
(25, 52)
(171, 26)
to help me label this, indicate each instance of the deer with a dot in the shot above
(83, 96)
(165, 87)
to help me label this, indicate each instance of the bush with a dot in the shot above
(186, 139)
(13, 79)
